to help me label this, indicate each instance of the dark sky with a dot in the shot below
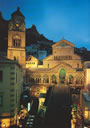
(54, 19)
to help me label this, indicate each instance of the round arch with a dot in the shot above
(54, 79)
(62, 75)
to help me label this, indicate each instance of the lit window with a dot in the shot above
(1, 75)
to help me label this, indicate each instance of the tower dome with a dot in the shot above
(17, 13)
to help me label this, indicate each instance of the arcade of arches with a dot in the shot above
(62, 77)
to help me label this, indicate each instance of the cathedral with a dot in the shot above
(62, 67)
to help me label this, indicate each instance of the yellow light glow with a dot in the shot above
(5, 123)
(72, 124)
(17, 25)
(86, 114)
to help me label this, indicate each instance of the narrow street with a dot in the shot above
(58, 112)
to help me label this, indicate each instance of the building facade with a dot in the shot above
(85, 106)
(32, 62)
(11, 83)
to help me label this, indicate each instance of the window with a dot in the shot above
(12, 73)
(12, 78)
(77, 65)
(1, 100)
(16, 41)
(1, 75)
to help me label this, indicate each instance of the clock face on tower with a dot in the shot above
(17, 24)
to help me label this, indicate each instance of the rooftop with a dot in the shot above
(8, 61)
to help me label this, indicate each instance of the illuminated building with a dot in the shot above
(16, 38)
(32, 62)
(85, 106)
(85, 95)
(11, 81)
(87, 73)
(62, 66)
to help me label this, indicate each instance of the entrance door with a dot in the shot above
(62, 75)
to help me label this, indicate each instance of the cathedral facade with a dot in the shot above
(62, 67)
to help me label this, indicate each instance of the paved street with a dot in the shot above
(58, 113)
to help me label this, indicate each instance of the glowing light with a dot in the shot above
(5, 123)
(17, 25)
(86, 114)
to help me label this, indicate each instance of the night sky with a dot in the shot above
(55, 19)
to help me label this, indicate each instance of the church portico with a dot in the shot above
(62, 73)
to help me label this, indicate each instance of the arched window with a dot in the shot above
(31, 79)
(16, 41)
(38, 79)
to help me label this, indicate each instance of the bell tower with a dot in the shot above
(16, 37)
